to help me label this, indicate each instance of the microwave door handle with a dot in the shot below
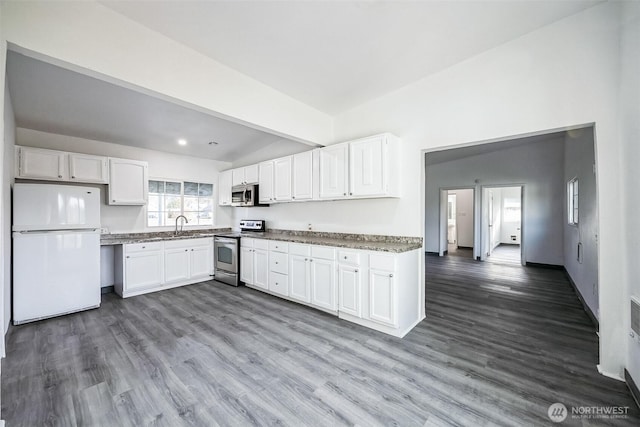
(244, 196)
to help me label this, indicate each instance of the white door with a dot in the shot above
(176, 265)
(128, 182)
(333, 171)
(265, 182)
(303, 176)
(42, 164)
(367, 174)
(382, 297)
(299, 278)
(261, 268)
(224, 188)
(86, 168)
(251, 174)
(246, 265)
(282, 179)
(143, 270)
(323, 284)
(201, 259)
(349, 282)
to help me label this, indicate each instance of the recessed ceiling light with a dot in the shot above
(182, 141)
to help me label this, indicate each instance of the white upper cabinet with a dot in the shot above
(333, 171)
(224, 188)
(53, 165)
(265, 182)
(128, 182)
(303, 176)
(245, 175)
(367, 168)
(87, 168)
(282, 179)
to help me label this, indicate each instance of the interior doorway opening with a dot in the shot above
(502, 219)
(457, 223)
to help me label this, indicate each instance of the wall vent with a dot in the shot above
(635, 315)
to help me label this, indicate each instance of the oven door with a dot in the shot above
(226, 254)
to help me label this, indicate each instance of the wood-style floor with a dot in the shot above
(499, 345)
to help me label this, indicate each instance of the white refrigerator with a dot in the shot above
(56, 250)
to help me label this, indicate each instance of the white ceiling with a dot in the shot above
(52, 99)
(338, 54)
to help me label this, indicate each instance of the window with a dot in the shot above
(572, 198)
(512, 210)
(169, 199)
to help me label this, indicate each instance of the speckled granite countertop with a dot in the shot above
(367, 242)
(124, 238)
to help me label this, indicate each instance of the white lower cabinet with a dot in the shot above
(350, 282)
(261, 268)
(299, 275)
(246, 265)
(323, 284)
(149, 267)
(382, 299)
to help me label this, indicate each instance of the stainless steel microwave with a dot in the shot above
(245, 195)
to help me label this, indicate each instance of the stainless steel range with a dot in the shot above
(226, 251)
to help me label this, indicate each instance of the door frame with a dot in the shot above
(443, 245)
(483, 236)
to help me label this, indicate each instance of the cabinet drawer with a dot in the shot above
(278, 246)
(349, 257)
(246, 242)
(279, 283)
(299, 249)
(278, 262)
(261, 244)
(383, 262)
(142, 247)
(323, 252)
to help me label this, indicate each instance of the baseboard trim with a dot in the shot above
(106, 290)
(432, 253)
(465, 247)
(541, 265)
(633, 387)
(586, 308)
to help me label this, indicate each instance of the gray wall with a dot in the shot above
(5, 191)
(538, 165)
(579, 158)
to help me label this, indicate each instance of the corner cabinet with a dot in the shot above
(128, 182)
(148, 267)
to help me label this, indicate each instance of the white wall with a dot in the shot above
(464, 216)
(90, 38)
(537, 165)
(564, 74)
(125, 219)
(630, 202)
(5, 191)
(509, 228)
(579, 160)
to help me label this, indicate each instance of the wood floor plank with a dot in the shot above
(500, 343)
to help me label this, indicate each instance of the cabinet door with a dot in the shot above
(128, 182)
(143, 270)
(201, 258)
(303, 176)
(176, 265)
(86, 168)
(237, 176)
(323, 284)
(265, 182)
(224, 188)
(367, 174)
(282, 179)
(299, 278)
(251, 174)
(246, 265)
(333, 171)
(349, 282)
(382, 299)
(37, 163)
(261, 268)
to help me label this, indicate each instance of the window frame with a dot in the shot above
(573, 201)
(182, 207)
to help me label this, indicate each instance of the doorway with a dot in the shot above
(501, 237)
(457, 222)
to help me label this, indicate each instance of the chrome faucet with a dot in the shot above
(175, 233)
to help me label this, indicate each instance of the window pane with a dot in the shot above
(192, 217)
(153, 219)
(206, 190)
(191, 204)
(190, 188)
(156, 187)
(172, 203)
(172, 187)
(154, 203)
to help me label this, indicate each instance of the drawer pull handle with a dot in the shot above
(311, 260)
(306, 259)
(391, 275)
(128, 256)
(186, 250)
(276, 262)
(143, 247)
(345, 257)
(59, 176)
(356, 271)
